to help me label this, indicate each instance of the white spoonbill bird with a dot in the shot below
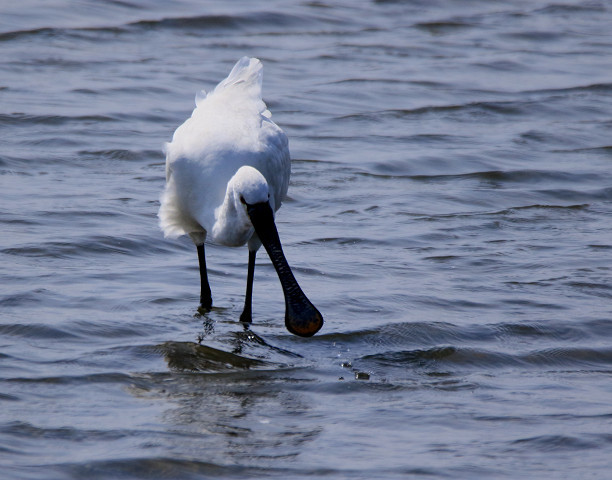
(227, 172)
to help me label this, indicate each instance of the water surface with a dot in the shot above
(449, 214)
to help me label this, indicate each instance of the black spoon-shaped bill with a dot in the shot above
(301, 316)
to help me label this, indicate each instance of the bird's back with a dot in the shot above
(230, 127)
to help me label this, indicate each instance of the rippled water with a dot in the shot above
(449, 214)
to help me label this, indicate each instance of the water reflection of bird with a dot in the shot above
(227, 171)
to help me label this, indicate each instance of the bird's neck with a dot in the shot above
(232, 226)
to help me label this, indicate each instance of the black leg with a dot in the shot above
(247, 312)
(205, 297)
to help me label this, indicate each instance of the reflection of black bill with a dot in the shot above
(301, 316)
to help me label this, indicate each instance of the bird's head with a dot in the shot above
(249, 187)
(253, 197)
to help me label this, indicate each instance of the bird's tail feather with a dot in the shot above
(247, 70)
(242, 85)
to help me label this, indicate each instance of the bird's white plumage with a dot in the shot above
(230, 128)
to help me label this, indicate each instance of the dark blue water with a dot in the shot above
(449, 214)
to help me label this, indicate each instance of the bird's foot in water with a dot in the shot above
(205, 305)
(246, 317)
